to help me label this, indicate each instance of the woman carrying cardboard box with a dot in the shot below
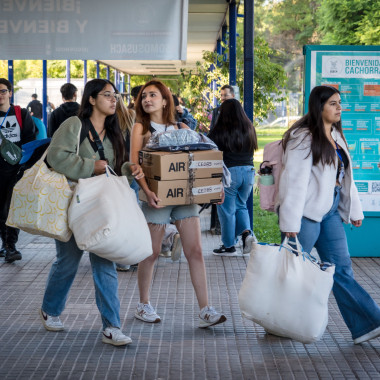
(155, 112)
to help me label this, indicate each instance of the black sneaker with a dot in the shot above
(12, 255)
(3, 251)
(223, 251)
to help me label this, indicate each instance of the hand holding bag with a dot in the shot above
(286, 291)
(106, 219)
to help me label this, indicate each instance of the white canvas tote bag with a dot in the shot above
(106, 219)
(285, 293)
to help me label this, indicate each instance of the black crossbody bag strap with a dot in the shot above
(97, 140)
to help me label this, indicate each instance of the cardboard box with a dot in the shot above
(168, 166)
(183, 192)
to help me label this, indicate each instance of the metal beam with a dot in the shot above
(68, 71)
(232, 42)
(85, 71)
(248, 75)
(11, 78)
(44, 91)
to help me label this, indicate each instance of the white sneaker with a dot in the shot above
(371, 335)
(51, 323)
(248, 240)
(208, 316)
(114, 336)
(146, 313)
(176, 247)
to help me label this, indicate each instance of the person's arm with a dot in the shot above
(62, 154)
(293, 186)
(188, 119)
(29, 130)
(137, 143)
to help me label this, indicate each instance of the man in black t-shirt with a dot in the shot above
(69, 108)
(20, 130)
(35, 107)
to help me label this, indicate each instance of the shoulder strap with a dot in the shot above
(18, 115)
(179, 125)
(151, 129)
(97, 140)
(83, 132)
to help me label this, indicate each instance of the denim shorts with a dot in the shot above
(168, 213)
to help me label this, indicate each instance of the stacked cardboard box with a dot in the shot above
(180, 178)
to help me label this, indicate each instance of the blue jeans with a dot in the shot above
(135, 186)
(233, 213)
(62, 275)
(360, 313)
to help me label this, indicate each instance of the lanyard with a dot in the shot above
(5, 117)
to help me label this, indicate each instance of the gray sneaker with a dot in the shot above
(114, 336)
(51, 323)
(145, 312)
(210, 317)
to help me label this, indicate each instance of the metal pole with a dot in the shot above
(68, 71)
(128, 88)
(248, 75)
(122, 84)
(11, 78)
(224, 39)
(232, 42)
(108, 73)
(97, 70)
(44, 91)
(85, 71)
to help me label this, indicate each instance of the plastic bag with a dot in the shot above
(180, 140)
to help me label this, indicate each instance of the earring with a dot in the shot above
(164, 106)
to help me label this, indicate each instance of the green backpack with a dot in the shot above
(9, 151)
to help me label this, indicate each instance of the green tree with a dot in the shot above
(269, 79)
(350, 22)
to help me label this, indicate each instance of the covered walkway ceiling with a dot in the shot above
(205, 21)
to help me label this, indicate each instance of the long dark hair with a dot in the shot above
(233, 131)
(321, 149)
(111, 124)
(167, 113)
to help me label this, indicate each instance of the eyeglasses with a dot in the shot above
(109, 95)
(4, 91)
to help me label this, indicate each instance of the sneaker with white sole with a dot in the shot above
(176, 247)
(51, 323)
(114, 336)
(145, 312)
(248, 239)
(371, 335)
(208, 316)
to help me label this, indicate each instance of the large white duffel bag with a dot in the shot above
(106, 219)
(285, 293)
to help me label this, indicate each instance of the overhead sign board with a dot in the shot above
(88, 29)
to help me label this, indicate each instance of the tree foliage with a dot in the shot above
(350, 22)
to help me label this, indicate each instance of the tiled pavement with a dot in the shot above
(176, 348)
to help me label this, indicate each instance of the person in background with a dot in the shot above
(155, 112)
(126, 117)
(19, 131)
(226, 92)
(35, 107)
(69, 108)
(134, 93)
(317, 194)
(235, 136)
(97, 109)
(183, 115)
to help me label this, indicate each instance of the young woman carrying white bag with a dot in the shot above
(98, 109)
